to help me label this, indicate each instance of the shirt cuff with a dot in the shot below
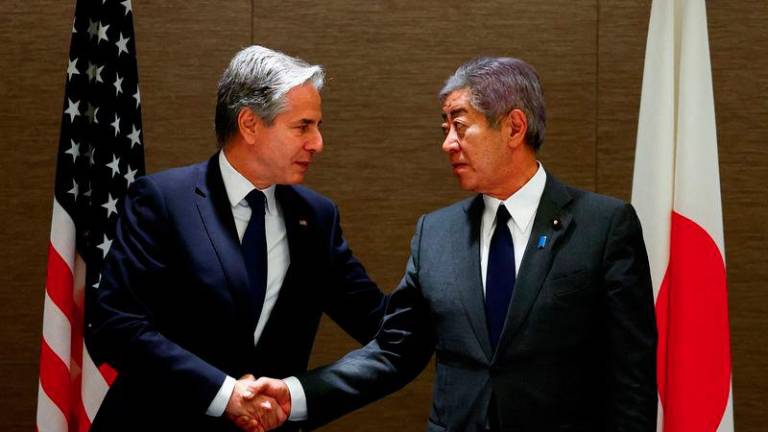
(220, 401)
(298, 399)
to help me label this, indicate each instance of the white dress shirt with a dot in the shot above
(522, 206)
(278, 255)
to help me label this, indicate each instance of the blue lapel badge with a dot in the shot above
(542, 242)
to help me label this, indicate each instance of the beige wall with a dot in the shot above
(385, 61)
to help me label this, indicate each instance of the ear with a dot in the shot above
(249, 125)
(514, 125)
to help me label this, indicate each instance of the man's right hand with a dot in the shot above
(273, 390)
(255, 412)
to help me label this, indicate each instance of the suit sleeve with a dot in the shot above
(400, 351)
(353, 301)
(121, 326)
(631, 327)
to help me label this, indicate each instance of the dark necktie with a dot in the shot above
(254, 246)
(500, 276)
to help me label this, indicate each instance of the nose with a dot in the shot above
(451, 143)
(315, 142)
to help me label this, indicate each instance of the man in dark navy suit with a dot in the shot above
(535, 296)
(222, 269)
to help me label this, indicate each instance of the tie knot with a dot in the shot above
(502, 215)
(256, 199)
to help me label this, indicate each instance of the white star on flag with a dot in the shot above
(93, 29)
(91, 114)
(114, 165)
(103, 32)
(110, 205)
(96, 285)
(118, 84)
(122, 45)
(91, 71)
(98, 74)
(74, 150)
(72, 110)
(72, 69)
(105, 245)
(130, 176)
(89, 155)
(137, 96)
(116, 124)
(127, 5)
(75, 189)
(134, 136)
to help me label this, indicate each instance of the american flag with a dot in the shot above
(100, 154)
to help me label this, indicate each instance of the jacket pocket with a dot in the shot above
(566, 285)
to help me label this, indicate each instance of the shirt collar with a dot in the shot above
(237, 186)
(522, 205)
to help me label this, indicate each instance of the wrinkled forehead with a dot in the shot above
(457, 103)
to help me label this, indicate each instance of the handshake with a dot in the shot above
(259, 405)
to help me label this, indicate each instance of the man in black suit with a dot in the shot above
(535, 296)
(223, 268)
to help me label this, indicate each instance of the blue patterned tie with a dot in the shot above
(254, 247)
(500, 276)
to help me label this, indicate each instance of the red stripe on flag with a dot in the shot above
(108, 373)
(83, 422)
(694, 359)
(59, 283)
(55, 379)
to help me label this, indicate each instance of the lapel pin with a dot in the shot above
(303, 222)
(556, 224)
(542, 242)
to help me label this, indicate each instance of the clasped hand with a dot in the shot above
(259, 405)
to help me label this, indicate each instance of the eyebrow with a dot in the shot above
(455, 113)
(305, 121)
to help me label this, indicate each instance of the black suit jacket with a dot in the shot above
(172, 313)
(576, 353)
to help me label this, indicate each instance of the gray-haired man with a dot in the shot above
(534, 296)
(223, 268)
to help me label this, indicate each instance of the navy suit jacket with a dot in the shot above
(172, 313)
(577, 350)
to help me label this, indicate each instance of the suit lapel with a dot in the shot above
(537, 260)
(468, 275)
(297, 222)
(216, 214)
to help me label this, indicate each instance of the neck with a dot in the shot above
(237, 155)
(515, 178)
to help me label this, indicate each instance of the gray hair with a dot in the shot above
(497, 85)
(259, 78)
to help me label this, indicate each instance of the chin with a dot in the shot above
(296, 179)
(467, 185)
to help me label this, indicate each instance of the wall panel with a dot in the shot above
(34, 40)
(739, 50)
